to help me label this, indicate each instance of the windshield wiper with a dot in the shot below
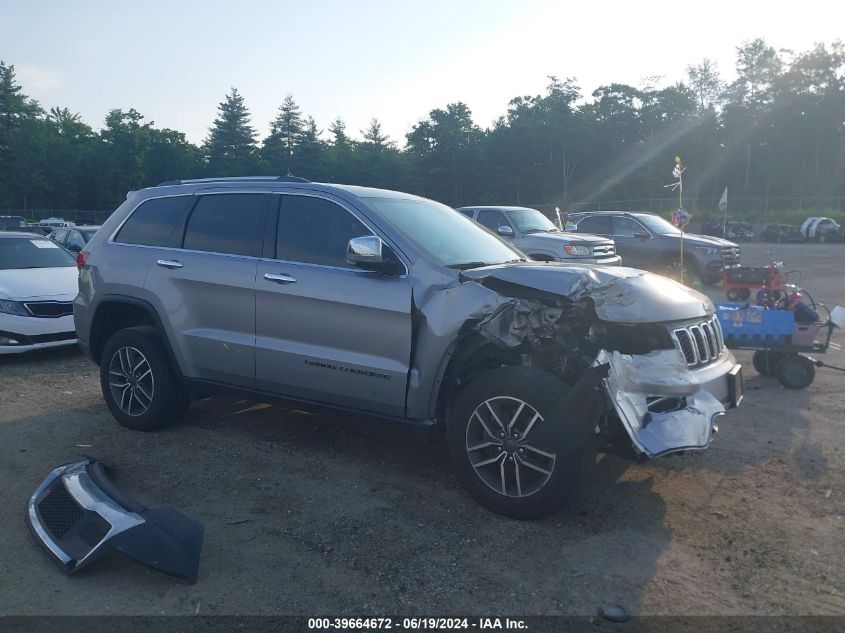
(467, 265)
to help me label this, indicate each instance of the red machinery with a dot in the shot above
(741, 280)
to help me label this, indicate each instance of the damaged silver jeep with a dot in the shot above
(374, 301)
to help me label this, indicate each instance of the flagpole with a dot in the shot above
(681, 206)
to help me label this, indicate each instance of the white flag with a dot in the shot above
(723, 203)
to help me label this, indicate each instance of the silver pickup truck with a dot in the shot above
(537, 236)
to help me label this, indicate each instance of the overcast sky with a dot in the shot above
(174, 61)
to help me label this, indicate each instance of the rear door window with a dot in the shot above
(598, 224)
(156, 222)
(230, 223)
(316, 231)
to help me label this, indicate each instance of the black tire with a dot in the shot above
(542, 392)
(744, 294)
(733, 294)
(159, 390)
(766, 362)
(796, 372)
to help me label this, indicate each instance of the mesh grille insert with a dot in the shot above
(59, 512)
(686, 345)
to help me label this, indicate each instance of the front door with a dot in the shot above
(632, 242)
(327, 331)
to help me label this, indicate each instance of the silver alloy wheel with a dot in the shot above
(131, 381)
(497, 446)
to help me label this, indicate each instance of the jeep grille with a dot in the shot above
(700, 343)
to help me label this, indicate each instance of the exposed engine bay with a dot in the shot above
(667, 379)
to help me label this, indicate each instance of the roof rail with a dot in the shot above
(234, 179)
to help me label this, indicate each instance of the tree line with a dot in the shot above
(777, 130)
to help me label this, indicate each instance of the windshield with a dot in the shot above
(658, 225)
(32, 252)
(448, 237)
(531, 221)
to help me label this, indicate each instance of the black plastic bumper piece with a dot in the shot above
(78, 514)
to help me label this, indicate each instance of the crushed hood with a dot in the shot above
(620, 295)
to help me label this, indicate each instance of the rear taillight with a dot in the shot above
(81, 256)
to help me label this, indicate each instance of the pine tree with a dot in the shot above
(286, 133)
(231, 146)
(374, 135)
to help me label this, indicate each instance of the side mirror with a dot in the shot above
(371, 253)
(505, 230)
(642, 236)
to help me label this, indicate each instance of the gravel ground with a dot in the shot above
(309, 514)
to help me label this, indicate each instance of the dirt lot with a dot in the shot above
(307, 514)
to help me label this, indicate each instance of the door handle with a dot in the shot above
(169, 263)
(281, 278)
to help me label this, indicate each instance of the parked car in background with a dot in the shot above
(781, 233)
(55, 222)
(38, 281)
(647, 241)
(73, 239)
(539, 238)
(13, 223)
(733, 230)
(819, 229)
(395, 306)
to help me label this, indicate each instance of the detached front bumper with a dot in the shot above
(78, 514)
(665, 406)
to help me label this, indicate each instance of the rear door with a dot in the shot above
(325, 330)
(206, 288)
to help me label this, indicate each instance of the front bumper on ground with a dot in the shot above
(665, 406)
(78, 515)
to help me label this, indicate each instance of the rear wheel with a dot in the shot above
(139, 385)
(796, 372)
(504, 437)
(766, 362)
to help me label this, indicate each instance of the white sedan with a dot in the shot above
(38, 282)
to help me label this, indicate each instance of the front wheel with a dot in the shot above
(505, 441)
(139, 385)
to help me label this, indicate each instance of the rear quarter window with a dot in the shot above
(156, 222)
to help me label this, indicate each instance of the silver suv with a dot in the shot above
(537, 236)
(396, 306)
